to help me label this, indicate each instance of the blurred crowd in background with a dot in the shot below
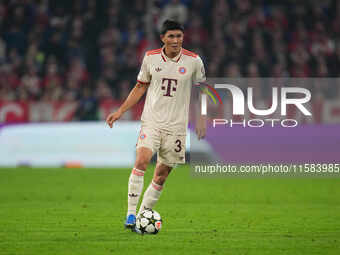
(89, 51)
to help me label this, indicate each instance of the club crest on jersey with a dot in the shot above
(142, 136)
(182, 70)
(158, 69)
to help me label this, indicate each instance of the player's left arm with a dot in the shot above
(199, 76)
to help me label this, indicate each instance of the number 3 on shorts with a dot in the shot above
(178, 145)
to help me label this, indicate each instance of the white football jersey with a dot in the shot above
(170, 81)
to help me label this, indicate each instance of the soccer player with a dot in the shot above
(167, 75)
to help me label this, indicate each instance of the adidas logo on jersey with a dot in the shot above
(157, 69)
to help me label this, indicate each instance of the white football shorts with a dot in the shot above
(170, 148)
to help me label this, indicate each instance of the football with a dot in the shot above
(148, 222)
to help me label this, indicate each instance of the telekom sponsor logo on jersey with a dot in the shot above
(239, 105)
(169, 85)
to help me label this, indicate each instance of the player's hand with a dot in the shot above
(113, 117)
(201, 127)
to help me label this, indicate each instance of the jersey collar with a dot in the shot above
(166, 58)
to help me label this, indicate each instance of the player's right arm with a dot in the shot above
(135, 95)
(143, 81)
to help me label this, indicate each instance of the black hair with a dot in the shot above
(171, 25)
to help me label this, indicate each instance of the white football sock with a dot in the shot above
(151, 196)
(136, 182)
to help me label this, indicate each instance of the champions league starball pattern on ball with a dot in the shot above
(148, 222)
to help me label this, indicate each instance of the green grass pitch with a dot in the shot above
(81, 211)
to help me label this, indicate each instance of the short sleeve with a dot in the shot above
(144, 74)
(199, 74)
